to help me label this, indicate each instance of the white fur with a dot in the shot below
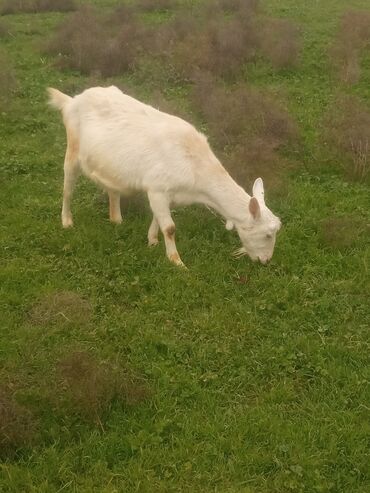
(125, 145)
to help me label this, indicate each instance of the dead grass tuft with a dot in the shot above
(36, 6)
(237, 6)
(242, 112)
(348, 134)
(221, 47)
(280, 42)
(342, 232)
(17, 426)
(248, 127)
(153, 5)
(92, 386)
(222, 44)
(4, 29)
(231, 44)
(165, 38)
(95, 45)
(352, 38)
(256, 158)
(7, 82)
(62, 307)
(77, 42)
(218, 38)
(204, 38)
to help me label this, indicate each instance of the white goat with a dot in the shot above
(125, 145)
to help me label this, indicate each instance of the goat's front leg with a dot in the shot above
(153, 232)
(160, 206)
(115, 207)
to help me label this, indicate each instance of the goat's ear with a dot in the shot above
(258, 190)
(254, 208)
(229, 225)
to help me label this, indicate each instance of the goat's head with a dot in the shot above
(258, 231)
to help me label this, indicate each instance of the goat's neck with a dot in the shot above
(225, 196)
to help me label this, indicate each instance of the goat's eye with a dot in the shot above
(269, 236)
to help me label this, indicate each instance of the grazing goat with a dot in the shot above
(125, 145)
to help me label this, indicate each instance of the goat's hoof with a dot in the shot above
(152, 242)
(67, 223)
(175, 259)
(116, 220)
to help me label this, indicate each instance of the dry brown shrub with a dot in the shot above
(280, 42)
(223, 113)
(206, 39)
(222, 44)
(248, 127)
(4, 29)
(221, 47)
(61, 307)
(153, 5)
(237, 6)
(231, 44)
(93, 44)
(7, 82)
(255, 158)
(165, 39)
(121, 15)
(201, 38)
(77, 41)
(92, 386)
(120, 53)
(242, 112)
(348, 134)
(352, 38)
(17, 425)
(36, 6)
(342, 232)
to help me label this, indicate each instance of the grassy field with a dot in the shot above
(257, 376)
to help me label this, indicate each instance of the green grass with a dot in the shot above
(258, 374)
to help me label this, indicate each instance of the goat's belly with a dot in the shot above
(104, 181)
(105, 178)
(185, 198)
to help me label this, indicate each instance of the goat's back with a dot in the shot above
(134, 145)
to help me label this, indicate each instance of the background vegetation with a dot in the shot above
(120, 372)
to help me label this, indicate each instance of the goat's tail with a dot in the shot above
(57, 99)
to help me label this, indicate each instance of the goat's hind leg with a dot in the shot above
(71, 172)
(115, 207)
